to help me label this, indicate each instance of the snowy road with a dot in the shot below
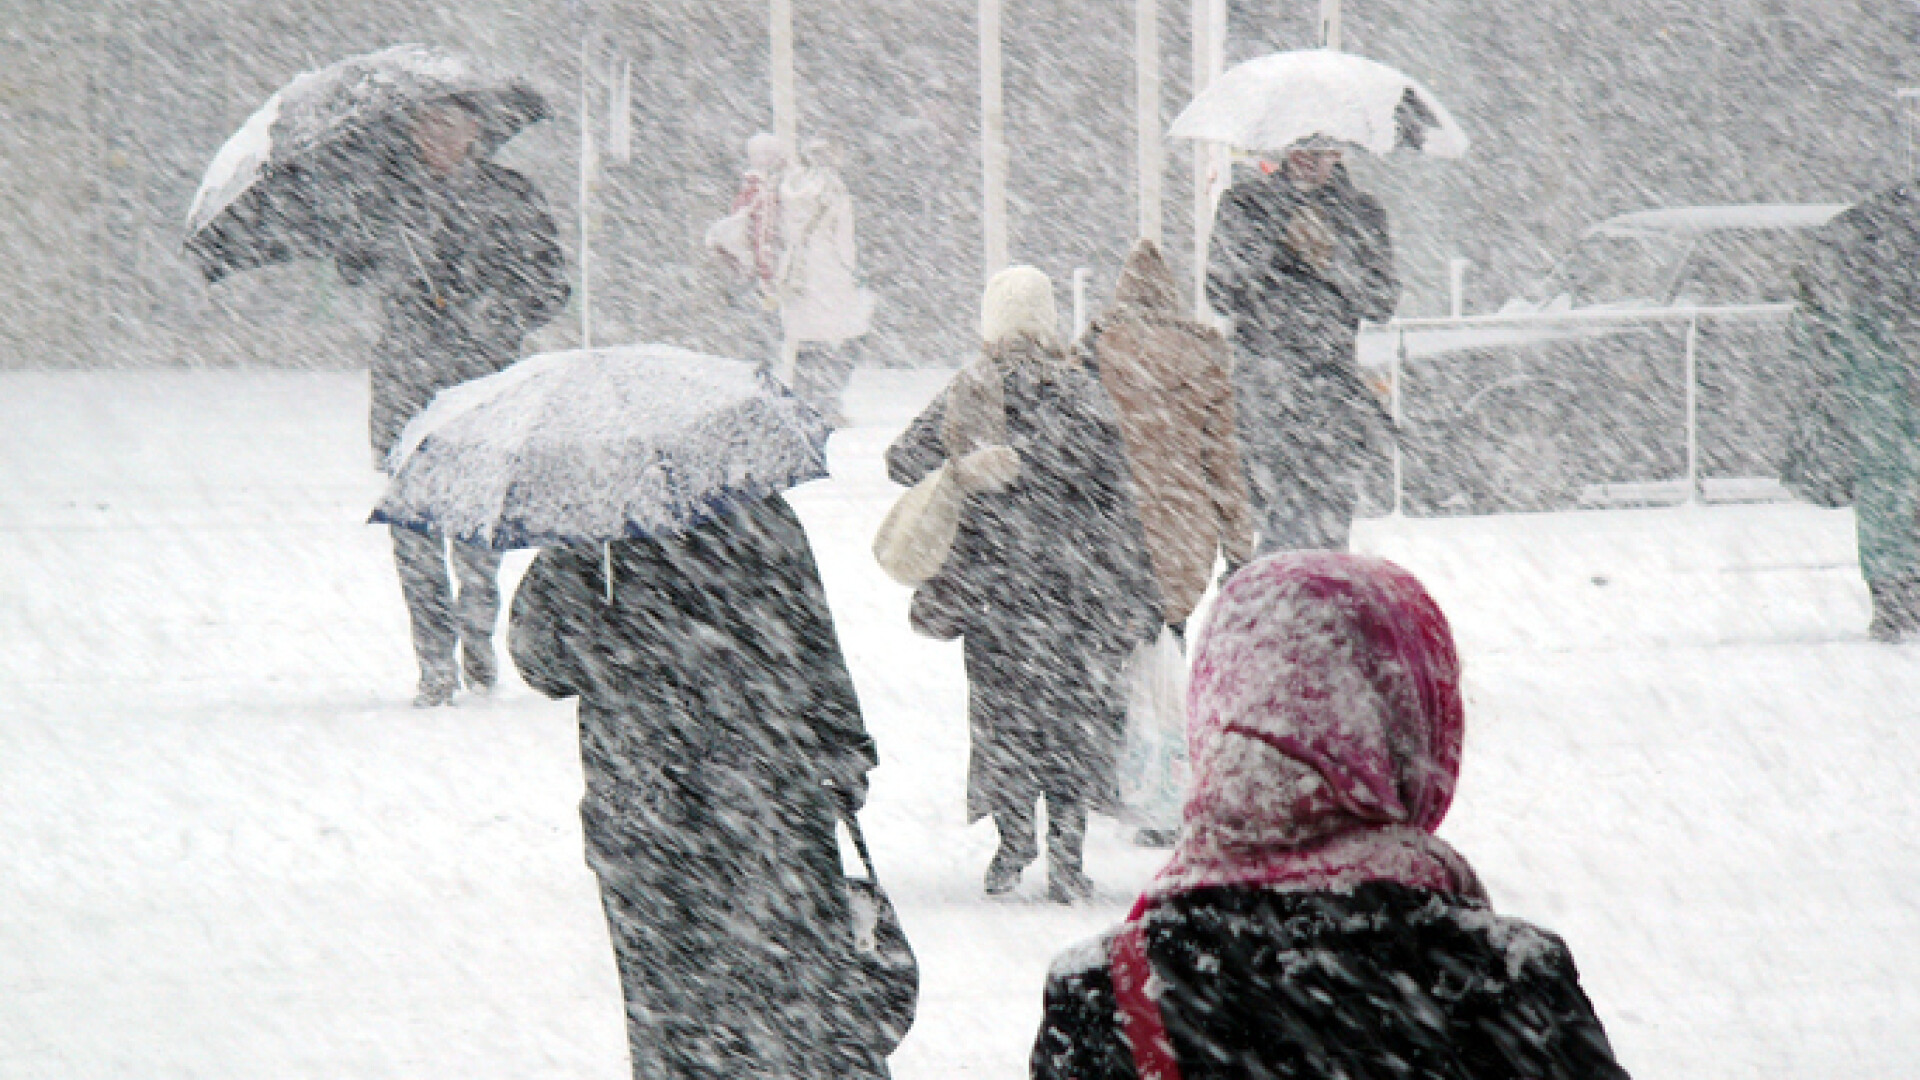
(229, 848)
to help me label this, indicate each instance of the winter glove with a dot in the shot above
(849, 789)
(991, 469)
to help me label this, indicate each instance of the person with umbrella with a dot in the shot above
(1300, 257)
(468, 262)
(379, 162)
(678, 599)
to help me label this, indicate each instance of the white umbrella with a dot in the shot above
(596, 445)
(1270, 103)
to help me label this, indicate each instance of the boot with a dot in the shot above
(478, 666)
(1017, 849)
(1067, 883)
(436, 689)
(1896, 609)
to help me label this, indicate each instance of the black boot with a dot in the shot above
(1017, 848)
(1067, 883)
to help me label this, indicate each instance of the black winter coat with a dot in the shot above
(1384, 982)
(1051, 586)
(1282, 299)
(715, 708)
(468, 265)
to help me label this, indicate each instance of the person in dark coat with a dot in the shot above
(1857, 437)
(1299, 258)
(720, 739)
(1310, 924)
(468, 262)
(1048, 581)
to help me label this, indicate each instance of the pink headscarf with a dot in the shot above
(1325, 726)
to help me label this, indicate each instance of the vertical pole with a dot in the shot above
(1330, 24)
(586, 200)
(993, 141)
(1693, 418)
(1148, 157)
(1399, 473)
(1456, 286)
(1080, 276)
(1210, 161)
(786, 124)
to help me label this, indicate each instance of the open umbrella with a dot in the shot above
(285, 186)
(1271, 102)
(595, 445)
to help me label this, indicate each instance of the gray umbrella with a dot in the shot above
(286, 184)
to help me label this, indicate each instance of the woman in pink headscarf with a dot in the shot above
(1310, 923)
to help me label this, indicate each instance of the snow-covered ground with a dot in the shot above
(229, 848)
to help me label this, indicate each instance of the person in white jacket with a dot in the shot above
(822, 305)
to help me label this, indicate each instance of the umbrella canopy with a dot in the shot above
(283, 185)
(1270, 103)
(602, 444)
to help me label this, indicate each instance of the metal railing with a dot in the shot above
(1691, 315)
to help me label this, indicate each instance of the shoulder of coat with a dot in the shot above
(1083, 957)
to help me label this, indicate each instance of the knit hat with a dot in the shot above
(1019, 300)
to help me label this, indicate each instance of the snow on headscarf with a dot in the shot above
(1325, 728)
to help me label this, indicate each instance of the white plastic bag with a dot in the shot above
(1153, 767)
(914, 540)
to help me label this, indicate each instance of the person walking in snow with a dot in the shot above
(1309, 923)
(1048, 581)
(468, 263)
(1168, 377)
(1857, 337)
(720, 740)
(749, 239)
(1299, 258)
(822, 305)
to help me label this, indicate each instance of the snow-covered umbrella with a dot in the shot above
(1269, 103)
(285, 185)
(595, 445)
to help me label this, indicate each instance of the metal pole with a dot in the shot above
(1209, 50)
(780, 32)
(586, 202)
(993, 142)
(1149, 160)
(1399, 476)
(1330, 24)
(1080, 276)
(1693, 405)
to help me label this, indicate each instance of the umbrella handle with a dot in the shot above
(606, 567)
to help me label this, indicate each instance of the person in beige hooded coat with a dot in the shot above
(1168, 377)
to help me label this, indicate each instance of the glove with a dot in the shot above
(993, 468)
(849, 789)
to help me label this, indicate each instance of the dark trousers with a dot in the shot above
(1066, 833)
(442, 619)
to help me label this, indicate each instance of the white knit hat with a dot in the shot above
(1019, 300)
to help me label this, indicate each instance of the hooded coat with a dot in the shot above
(468, 265)
(1048, 581)
(1309, 923)
(820, 298)
(1297, 271)
(1168, 377)
(1856, 337)
(715, 710)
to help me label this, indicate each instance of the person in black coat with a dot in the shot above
(1048, 581)
(1299, 258)
(467, 261)
(720, 740)
(1309, 923)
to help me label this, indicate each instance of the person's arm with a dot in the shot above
(1379, 278)
(1226, 474)
(1079, 1036)
(919, 449)
(537, 635)
(1235, 259)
